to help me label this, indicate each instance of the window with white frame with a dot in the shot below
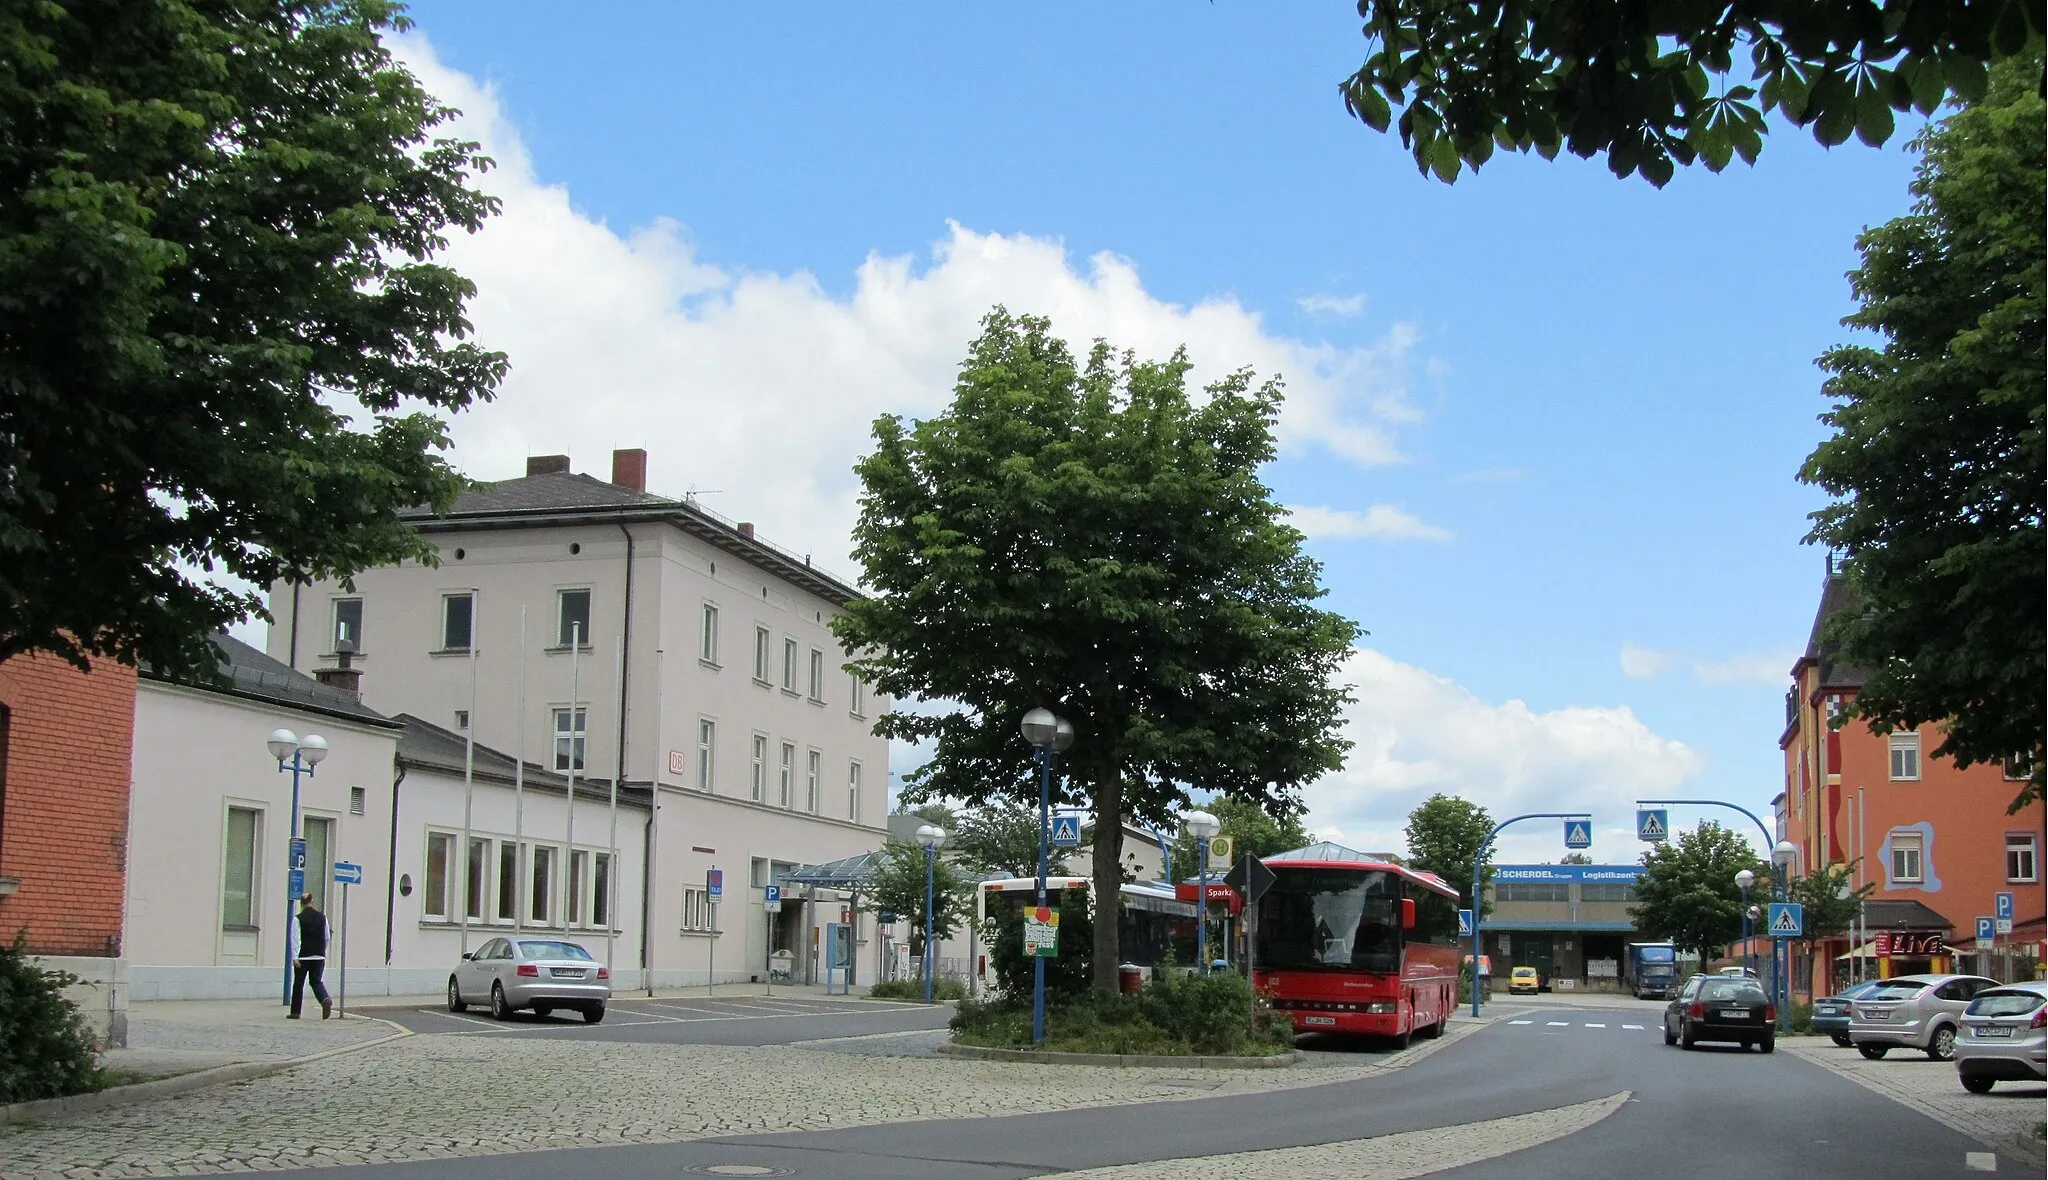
(786, 773)
(541, 886)
(569, 737)
(1905, 750)
(789, 665)
(1906, 857)
(348, 622)
(817, 675)
(853, 791)
(764, 647)
(238, 870)
(814, 774)
(2022, 858)
(707, 749)
(2019, 768)
(458, 618)
(696, 908)
(601, 889)
(572, 618)
(707, 637)
(508, 881)
(440, 859)
(856, 695)
(757, 774)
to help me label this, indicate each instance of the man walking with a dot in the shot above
(312, 961)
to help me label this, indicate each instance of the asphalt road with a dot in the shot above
(1713, 1111)
(749, 1020)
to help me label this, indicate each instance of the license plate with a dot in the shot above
(1993, 1030)
(1734, 1014)
(1877, 1017)
(1319, 1020)
(568, 973)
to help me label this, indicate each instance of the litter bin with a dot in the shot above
(1130, 977)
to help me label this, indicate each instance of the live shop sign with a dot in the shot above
(1893, 943)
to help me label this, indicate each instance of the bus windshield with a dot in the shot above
(1331, 919)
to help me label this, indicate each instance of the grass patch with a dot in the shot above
(913, 989)
(1211, 1016)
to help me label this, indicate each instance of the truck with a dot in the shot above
(1653, 970)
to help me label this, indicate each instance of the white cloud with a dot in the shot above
(1337, 306)
(764, 385)
(1642, 663)
(1760, 667)
(1416, 733)
(1381, 522)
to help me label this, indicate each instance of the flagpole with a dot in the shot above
(519, 782)
(575, 707)
(611, 856)
(469, 871)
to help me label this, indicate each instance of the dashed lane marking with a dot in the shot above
(1636, 1027)
(1521, 1022)
(1980, 1161)
(1596, 1026)
(1558, 1024)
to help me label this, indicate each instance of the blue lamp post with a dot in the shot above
(929, 837)
(1048, 735)
(1743, 880)
(304, 753)
(1201, 825)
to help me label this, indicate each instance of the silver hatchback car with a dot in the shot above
(1913, 1012)
(2005, 1037)
(539, 973)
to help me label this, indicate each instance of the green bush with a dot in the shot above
(1176, 1016)
(46, 1049)
(1802, 1018)
(1066, 974)
(913, 989)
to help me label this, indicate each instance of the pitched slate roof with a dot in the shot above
(424, 744)
(250, 674)
(554, 490)
(1836, 597)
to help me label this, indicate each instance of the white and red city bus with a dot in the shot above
(1358, 946)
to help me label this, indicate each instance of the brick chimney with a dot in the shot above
(348, 678)
(547, 465)
(747, 529)
(629, 469)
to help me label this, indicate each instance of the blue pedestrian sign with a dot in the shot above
(714, 883)
(1578, 833)
(1653, 825)
(1464, 923)
(347, 873)
(1787, 919)
(1066, 831)
(772, 894)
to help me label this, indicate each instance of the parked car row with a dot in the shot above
(1993, 1032)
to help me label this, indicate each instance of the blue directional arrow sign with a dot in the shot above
(1066, 831)
(347, 873)
(1578, 834)
(1464, 923)
(1653, 824)
(1787, 919)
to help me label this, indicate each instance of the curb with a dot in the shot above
(1042, 1057)
(183, 1083)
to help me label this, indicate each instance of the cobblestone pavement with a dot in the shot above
(1386, 1157)
(176, 1036)
(2004, 1118)
(434, 1097)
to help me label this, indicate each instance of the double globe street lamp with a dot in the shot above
(929, 837)
(1202, 826)
(1743, 880)
(298, 755)
(1048, 734)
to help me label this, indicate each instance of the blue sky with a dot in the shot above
(1558, 414)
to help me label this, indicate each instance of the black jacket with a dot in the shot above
(312, 933)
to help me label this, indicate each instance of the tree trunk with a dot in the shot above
(1109, 881)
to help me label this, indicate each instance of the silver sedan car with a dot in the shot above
(1913, 1012)
(2005, 1037)
(540, 973)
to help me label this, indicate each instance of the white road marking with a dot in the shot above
(1980, 1161)
(1557, 1024)
(1596, 1026)
(1521, 1022)
(1636, 1027)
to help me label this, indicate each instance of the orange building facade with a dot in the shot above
(1935, 840)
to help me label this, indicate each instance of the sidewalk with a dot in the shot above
(167, 1037)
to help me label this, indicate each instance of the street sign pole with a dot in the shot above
(341, 985)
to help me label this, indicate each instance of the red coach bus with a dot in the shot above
(1357, 946)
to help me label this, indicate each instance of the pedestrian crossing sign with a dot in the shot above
(1787, 919)
(1066, 831)
(1578, 834)
(1653, 825)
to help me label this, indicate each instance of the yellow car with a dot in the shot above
(1523, 980)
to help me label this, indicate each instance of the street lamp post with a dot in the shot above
(1479, 893)
(1783, 854)
(304, 753)
(1783, 850)
(930, 837)
(1048, 735)
(1743, 880)
(1201, 825)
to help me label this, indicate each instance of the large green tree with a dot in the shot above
(997, 835)
(1687, 889)
(1253, 830)
(224, 346)
(1935, 464)
(1088, 537)
(1653, 84)
(1445, 834)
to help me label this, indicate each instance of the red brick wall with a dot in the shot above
(65, 769)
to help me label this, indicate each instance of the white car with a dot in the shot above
(540, 973)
